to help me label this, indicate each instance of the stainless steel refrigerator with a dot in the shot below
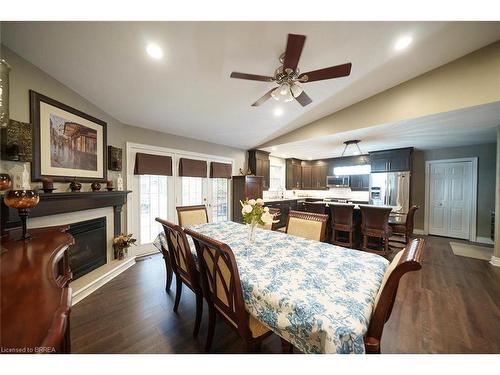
(391, 189)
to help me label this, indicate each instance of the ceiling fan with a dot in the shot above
(288, 76)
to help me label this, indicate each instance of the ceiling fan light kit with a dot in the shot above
(288, 76)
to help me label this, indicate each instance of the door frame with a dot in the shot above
(473, 211)
(132, 198)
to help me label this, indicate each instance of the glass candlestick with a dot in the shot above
(22, 200)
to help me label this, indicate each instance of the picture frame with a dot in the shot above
(67, 143)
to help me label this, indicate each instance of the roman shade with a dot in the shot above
(153, 164)
(192, 168)
(220, 170)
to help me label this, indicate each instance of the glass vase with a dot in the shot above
(251, 232)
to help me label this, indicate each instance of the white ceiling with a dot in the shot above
(190, 93)
(470, 126)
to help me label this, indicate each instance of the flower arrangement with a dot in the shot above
(121, 243)
(254, 213)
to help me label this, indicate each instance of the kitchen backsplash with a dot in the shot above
(330, 193)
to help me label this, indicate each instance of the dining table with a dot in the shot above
(317, 296)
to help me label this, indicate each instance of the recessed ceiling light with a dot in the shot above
(403, 42)
(278, 112)
(309, 158)
(274, 148)
(154, 51)
(284, 156)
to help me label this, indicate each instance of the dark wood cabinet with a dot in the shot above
(306, 175)
(245, 187)
(360, 182)
(319, 173)
(258, 162)
(391, 160)
(293, 174)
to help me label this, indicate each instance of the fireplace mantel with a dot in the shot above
(60, 203)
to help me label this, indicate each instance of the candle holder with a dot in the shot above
(22, 200)
(5, 182)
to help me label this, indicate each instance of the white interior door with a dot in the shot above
(450, 199)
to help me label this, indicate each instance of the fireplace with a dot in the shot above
(89, 251)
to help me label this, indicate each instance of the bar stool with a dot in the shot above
(375, 225)
(342, 223)
(403, 232)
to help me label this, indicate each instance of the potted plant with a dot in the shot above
(254, 213)
(121, 243)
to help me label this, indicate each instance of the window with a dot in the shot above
(276, 178)
(192, 191)
(153, 203)
(219, 199)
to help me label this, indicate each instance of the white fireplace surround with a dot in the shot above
(93, 280)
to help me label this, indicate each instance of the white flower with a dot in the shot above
(246, 209)
(266, 209)
(252, 202)
(260, 201)
(267, 218)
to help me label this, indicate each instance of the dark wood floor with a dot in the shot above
(451, 306)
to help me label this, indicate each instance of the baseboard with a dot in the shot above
(420, 232)
(485, 240)
(92, 281)
(495, 261)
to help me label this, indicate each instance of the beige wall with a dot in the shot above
(486, 155)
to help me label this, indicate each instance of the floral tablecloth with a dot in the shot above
(317, 296)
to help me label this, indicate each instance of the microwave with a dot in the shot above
(337, 181)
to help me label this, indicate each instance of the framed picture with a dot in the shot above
(67, 143)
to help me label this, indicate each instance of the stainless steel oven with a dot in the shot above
(337, 181)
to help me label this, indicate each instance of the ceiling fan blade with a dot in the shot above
(266, 96)
(326, 73)
(252, 77)
(293, 51)
(303, 99)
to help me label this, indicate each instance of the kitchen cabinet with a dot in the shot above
(391, 160)
(258, 162)
(359, 182)
(319, 173)
(306, 176)
(245, 187)
(293, 174)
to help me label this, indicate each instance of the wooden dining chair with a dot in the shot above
(276, 212)
(402, 233)
(222, 290)
(407, 260)
(342, 224)
(375, 225)
(192, 215)
(307, 225)
(184, 267)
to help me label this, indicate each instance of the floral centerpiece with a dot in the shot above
(254, 213)
(121, 243)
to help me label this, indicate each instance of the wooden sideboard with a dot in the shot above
(35, 297)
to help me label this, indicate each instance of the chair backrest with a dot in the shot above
(315, 207)
(307, 225)
(221, 280)
(408, 259)
(410, 219)
(342, 213)
(192, 215)
(276, 212)
(375, 217)
(180, 253)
